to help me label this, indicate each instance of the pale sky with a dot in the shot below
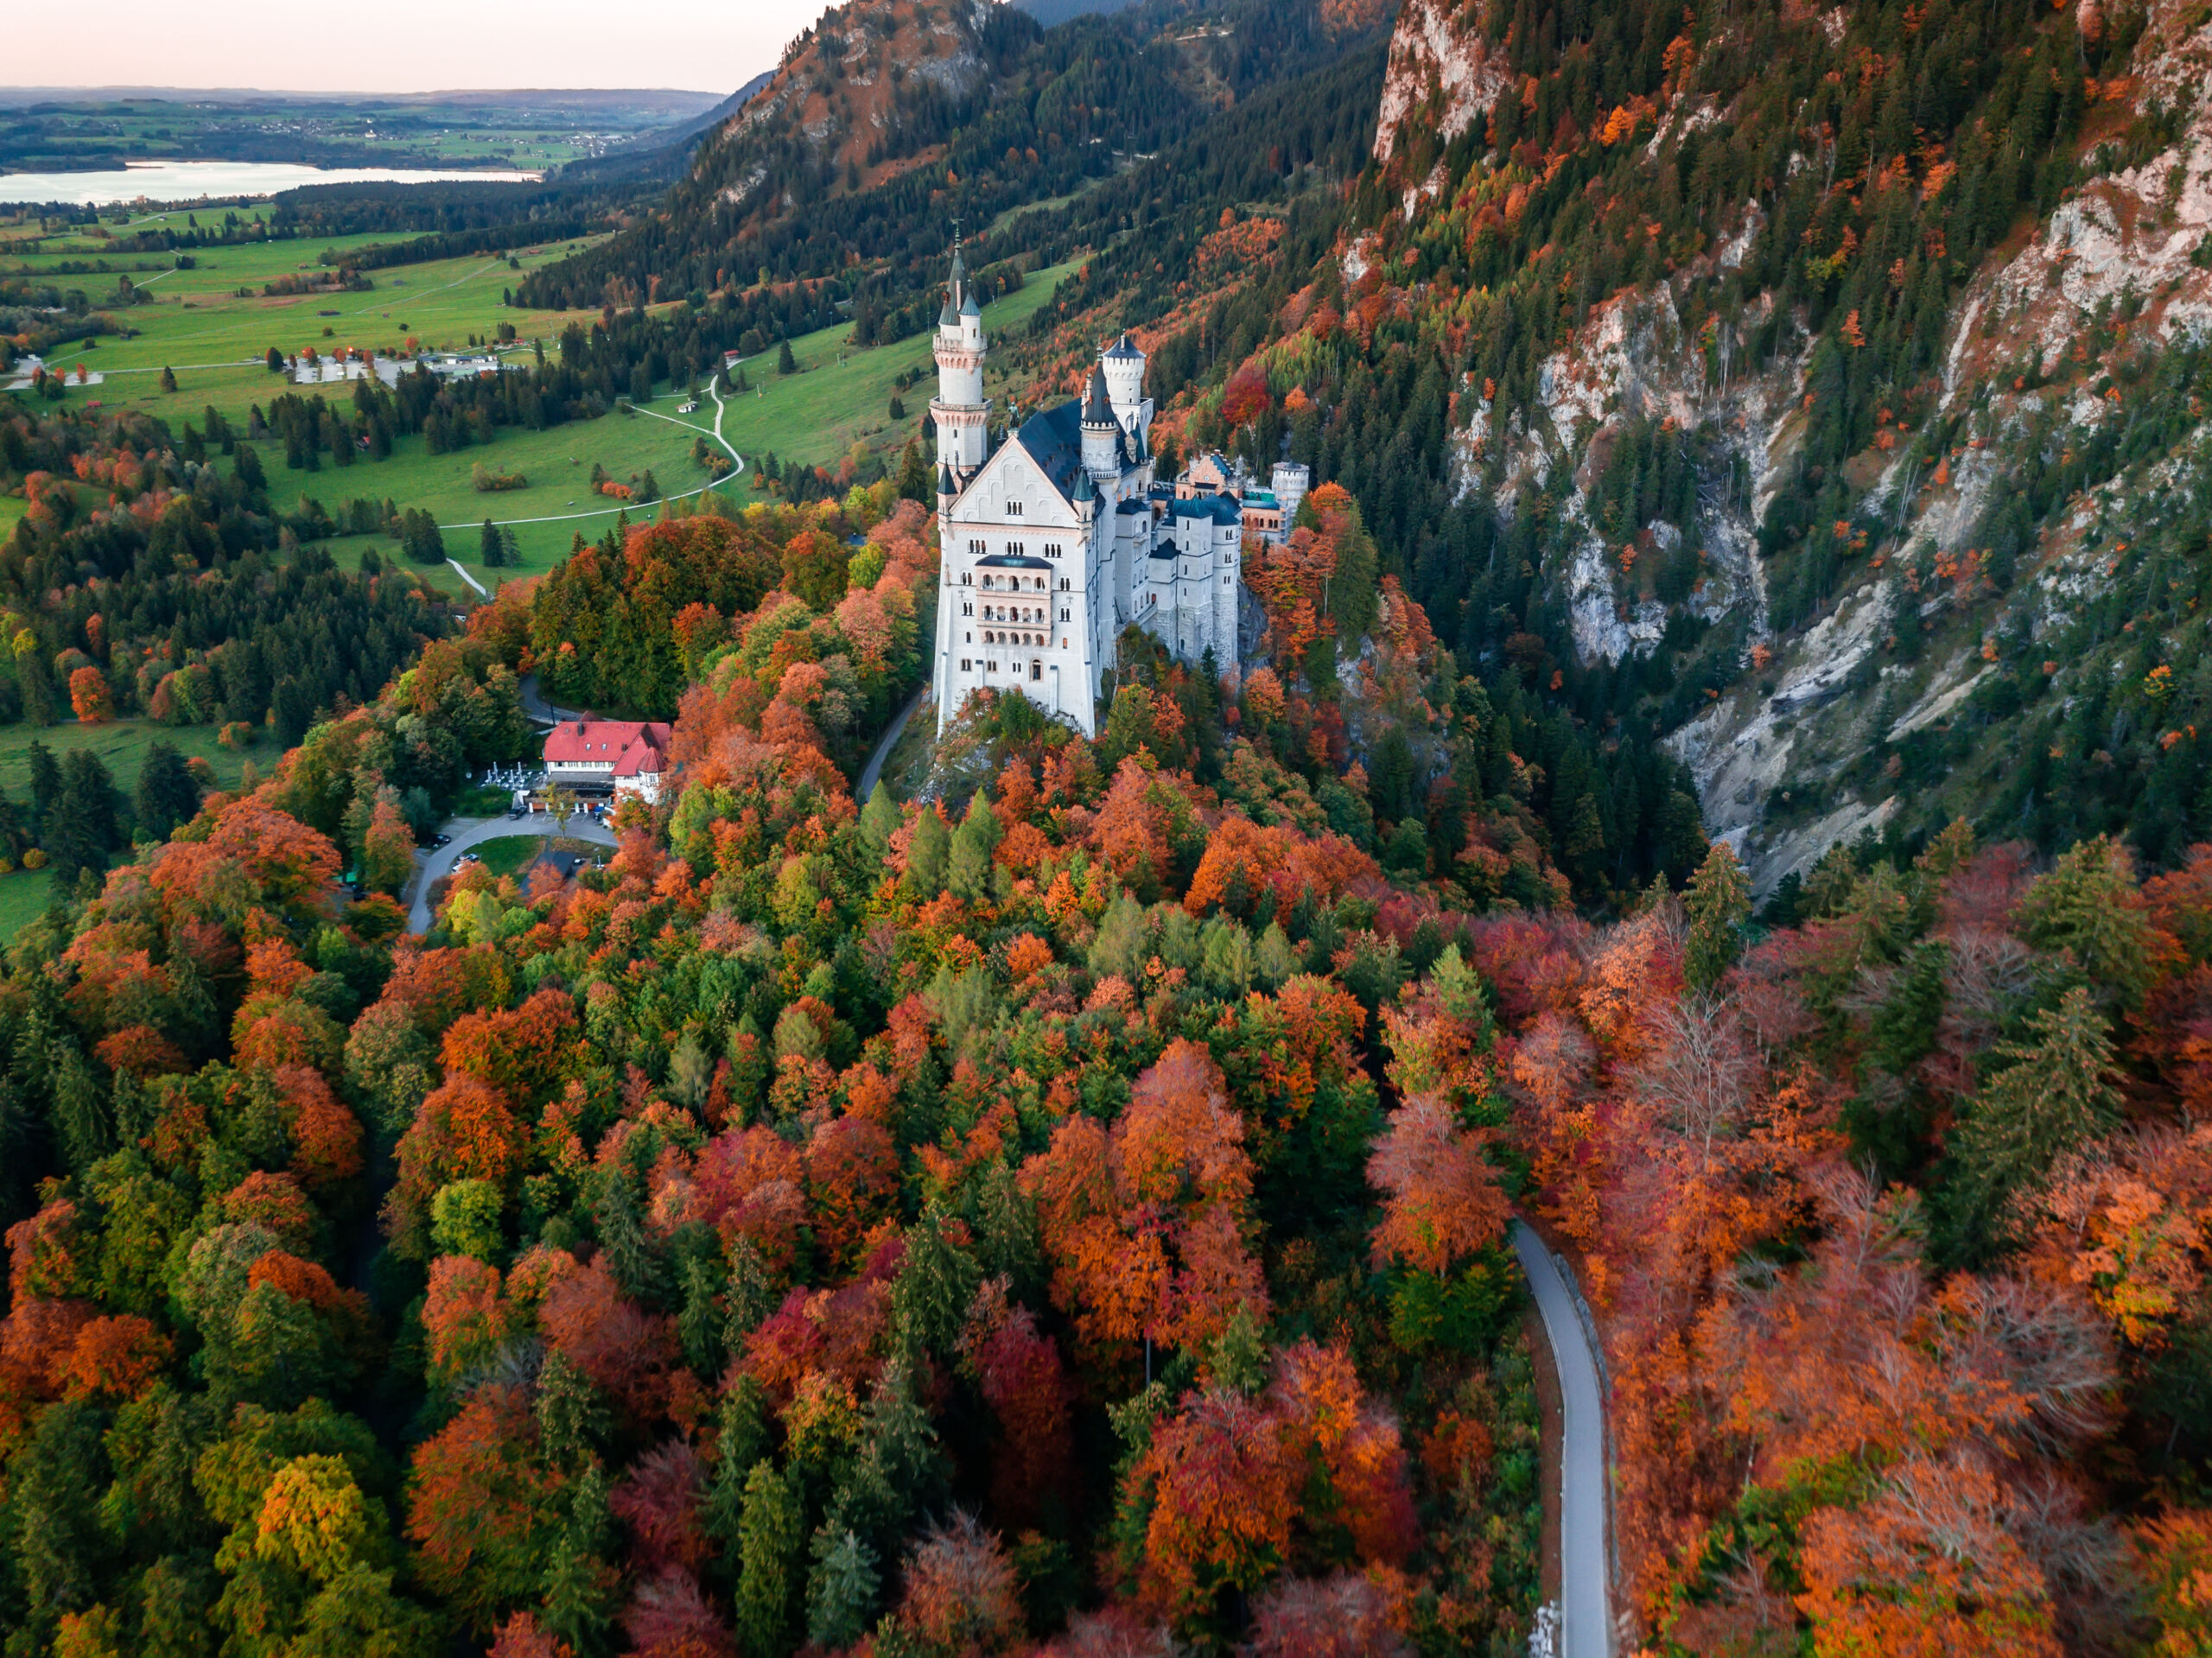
(400, 46)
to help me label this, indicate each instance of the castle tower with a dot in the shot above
(960, 409)
(1123, 366)
(1101, 433)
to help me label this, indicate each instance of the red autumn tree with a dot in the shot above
(482, 1512)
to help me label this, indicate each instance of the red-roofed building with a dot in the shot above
(617, 757)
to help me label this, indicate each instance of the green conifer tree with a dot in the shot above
(927, 853)
(167, 794)
(878, 819)
(841, 1589)
(579, 1587)
(969, 873)
(770, 1538)
(1719, 902)
(2054, 1095)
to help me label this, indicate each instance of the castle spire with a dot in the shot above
(960, 411)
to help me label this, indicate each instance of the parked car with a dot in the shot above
(441, 839)
(513, 812)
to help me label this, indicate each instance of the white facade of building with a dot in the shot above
(1052, 545)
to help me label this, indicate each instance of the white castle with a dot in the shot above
(1049, 547)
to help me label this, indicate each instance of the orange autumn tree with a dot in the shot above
(1233, 1490)
(1145, 1223)
(89, 696)
(1441, 1200)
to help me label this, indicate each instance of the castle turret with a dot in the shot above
(1101, 433)
(960, 410)
(1124, 367)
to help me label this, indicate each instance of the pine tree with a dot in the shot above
(491, 546)
(770, 1538)
(914, 481)
(841, 1592)
(580, 1586)
(878, 819)
(80, 830)
(928, 852)
(701, 1323)
(622, 1239)
(785, 363)
(81, 1120)
(2054, 1096)
(969, 873)
(2089, 905)
(46, 783)
(1719, 902)
(572, 1416)
(936, 1283)
(169, 378)
(167, 794)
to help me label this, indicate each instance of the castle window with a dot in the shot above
(1014, 548)
(1064, 584)
(990, 667)
(1036, 671)
(1013, 509)
(976, 547)
(966, 666)
(1064, 616)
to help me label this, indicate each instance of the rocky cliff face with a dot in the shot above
(2119, 274)
(1442, 72)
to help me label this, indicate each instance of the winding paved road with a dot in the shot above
(467, 832)
(1586, 1629)
(874, 769)
(534, 706)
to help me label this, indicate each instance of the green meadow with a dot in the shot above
(214, 340)
(842, 397)
(121, 745)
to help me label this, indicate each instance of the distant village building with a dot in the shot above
(616, 757)
(330, 370)
(447, 365)
(1054, 543)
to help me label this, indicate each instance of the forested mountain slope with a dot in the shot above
(1839, 376)
(891, 118)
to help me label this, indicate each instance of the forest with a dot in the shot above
(1067, 1215)
(1063, 1212)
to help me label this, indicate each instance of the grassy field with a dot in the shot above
(838, 402)
(510, 853)
(558, 461)
(121, 746)
(841, 396)
(23, 898)
(198, 324)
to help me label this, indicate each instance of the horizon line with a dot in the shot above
(276, 92)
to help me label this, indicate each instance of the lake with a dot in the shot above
(193, 180)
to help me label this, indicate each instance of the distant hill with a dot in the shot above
(890, 118)
(661, 152)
